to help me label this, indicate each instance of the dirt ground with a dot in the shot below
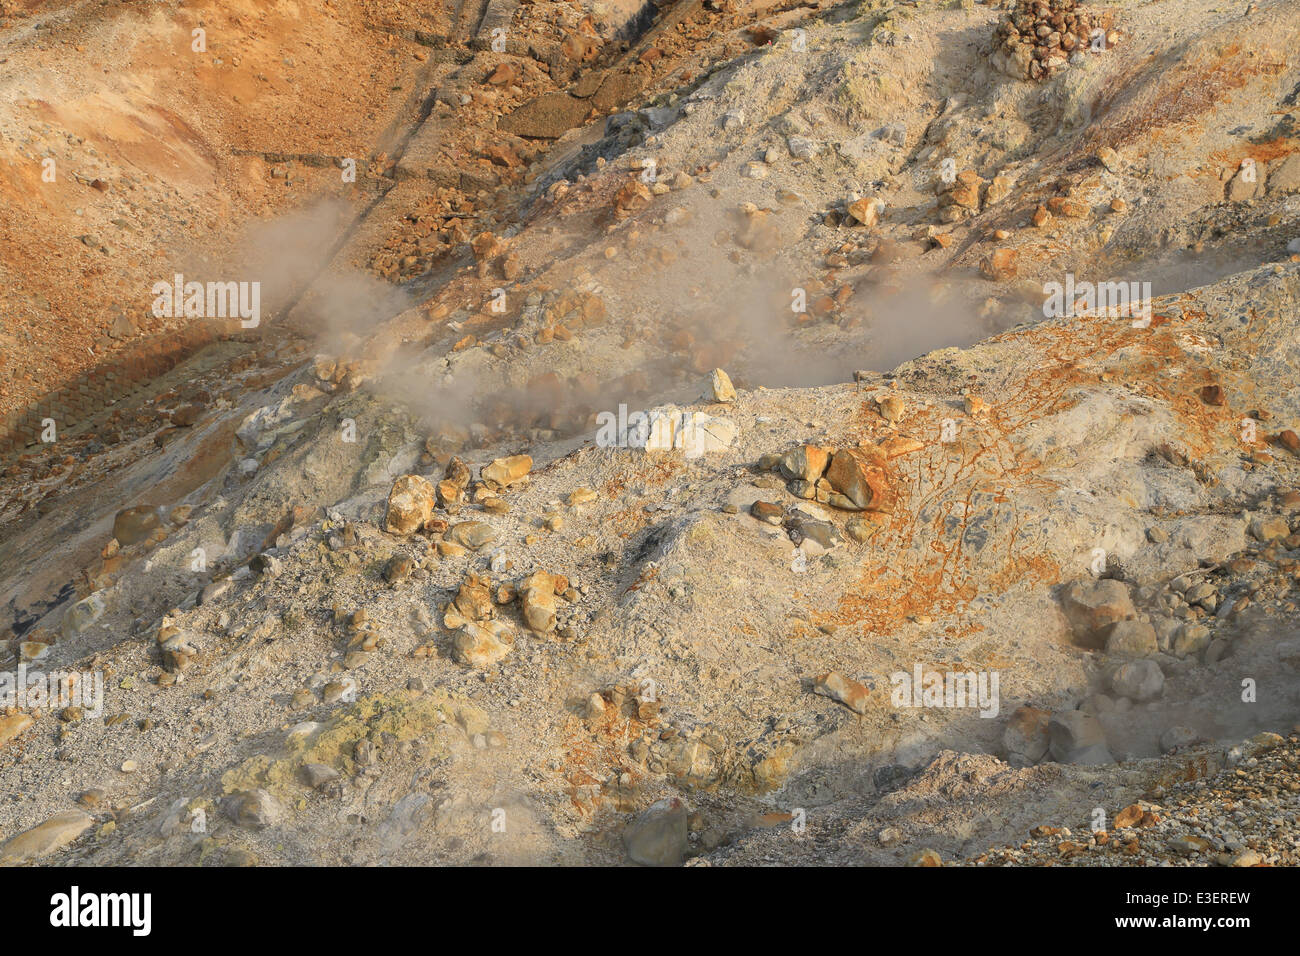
(339, 620)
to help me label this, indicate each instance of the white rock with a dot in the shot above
(801, 147)
(700, 434)
(695, 433)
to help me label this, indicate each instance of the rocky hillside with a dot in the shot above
(720, 433)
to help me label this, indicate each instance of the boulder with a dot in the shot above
(859, 480)
(410, 505)
(473, 602)
(1138, 680)
(537, 600)
(1284, 175)
(472, 534)
(481, 645)
(847, 691)
(814, 536)
(1177, 737)
(549, 116)
(1268, 528)
(658, 835)
(133, 525)
(13, 725)
(1077, 737)
(506, 471)
(865, 211)
(693, 433)
(83, 614)
(1025, 736)
(42, 840)
(1001, 265)
(1131, 639)
(1093, 606)
(720, 384)
(254, 809)
(1191, 639)
(701, 434)
(805, 463)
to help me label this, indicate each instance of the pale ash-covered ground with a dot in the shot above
(691, 637)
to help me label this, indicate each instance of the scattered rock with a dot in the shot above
(1131, 639)
(1037, 38)
(507, 471)
(1025, 736)
(254, 809)
(1138, 680)
(659, 834)
(723, 390)
(482, 644)
(860, 480)
(410, 505)
(1077, 737)
(845, 690)
(1093, 607)
(45, 838)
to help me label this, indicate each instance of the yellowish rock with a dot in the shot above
(506, 471)
(582, 496)
(891, 408)
(41, 840)
(723, 390)
(11, 727)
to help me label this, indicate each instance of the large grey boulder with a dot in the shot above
(658, 835)
(1078, 737)
(1138, 680)
(1093, 606)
